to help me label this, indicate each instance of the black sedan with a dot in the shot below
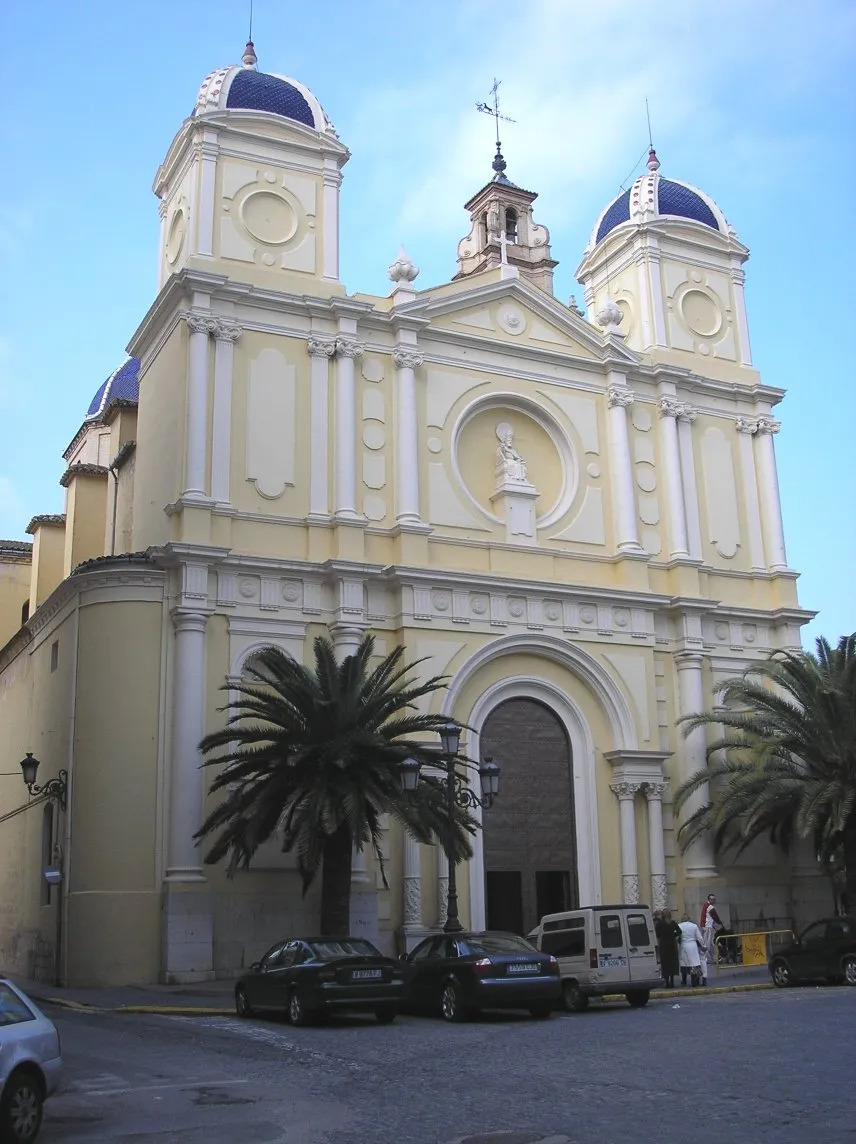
(307, 977)
(825, 951)
(459, 974)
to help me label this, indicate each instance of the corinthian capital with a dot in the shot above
(348, 347)
(625, 790)
(227, 331)
(687, 413)
(669, 407)
(747, 425)
(320, 346)
(768, 425)
(201, 323)
(406, 358)
(619, 395)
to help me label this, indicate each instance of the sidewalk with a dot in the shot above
(216, 998)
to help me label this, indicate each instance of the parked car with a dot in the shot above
(825, 951)
(307, 977)
(602, 950)
(30, 1064)
(458, 974)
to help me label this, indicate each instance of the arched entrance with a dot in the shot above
(529, 839)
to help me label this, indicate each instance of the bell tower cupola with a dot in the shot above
(504, 234)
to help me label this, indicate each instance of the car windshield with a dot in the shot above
(12, 1009)
(344, 947)
(498, 943)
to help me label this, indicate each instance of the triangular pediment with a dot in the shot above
(515, 313)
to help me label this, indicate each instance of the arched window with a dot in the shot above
(511, 224)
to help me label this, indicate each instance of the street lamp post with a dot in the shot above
(458, 794)
(54, 789)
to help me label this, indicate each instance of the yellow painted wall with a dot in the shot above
(114, 903)
(86, 511)
(14, 592)
(48, 562)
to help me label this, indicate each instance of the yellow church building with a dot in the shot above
(575, 517)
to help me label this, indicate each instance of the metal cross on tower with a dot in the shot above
(499, 163)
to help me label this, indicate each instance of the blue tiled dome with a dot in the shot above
(673, 199)
(122, 385)
(257, 91)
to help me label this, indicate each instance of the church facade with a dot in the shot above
(575, 518)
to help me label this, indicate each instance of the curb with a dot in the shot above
(210, 1011)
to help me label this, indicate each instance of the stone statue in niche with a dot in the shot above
(510, 466)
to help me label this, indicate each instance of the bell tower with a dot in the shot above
(503, 232)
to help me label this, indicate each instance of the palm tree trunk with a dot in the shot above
(336, 884)
(849, 847)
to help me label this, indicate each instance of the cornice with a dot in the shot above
(46, 520)
(82, 470)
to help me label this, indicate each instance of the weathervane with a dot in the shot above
(499, 163)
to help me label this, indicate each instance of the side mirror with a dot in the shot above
(255, 967)
(403, 957)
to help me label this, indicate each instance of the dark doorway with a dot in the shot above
(505, 900)
(530, 854)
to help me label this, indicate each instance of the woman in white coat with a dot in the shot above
(693, 953)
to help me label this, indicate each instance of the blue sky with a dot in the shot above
(753, 101)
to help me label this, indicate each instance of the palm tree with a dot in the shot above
(317, 753)
(784, 759)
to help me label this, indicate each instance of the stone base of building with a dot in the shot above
(187, 935)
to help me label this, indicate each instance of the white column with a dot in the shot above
(359, 872)
(670, 409)
(771, 507)
(747, 427)
(686, 417)
(656, 850)
(412, 885)
(225, 335)
(644, 297)
(332, 182)
(442, 885)
(186, 805)
(619, 398)
(698, 858)
(626, 794)
(208, 151)
(196, 419)
(320, 351)
(346, 428)
(738, 277)
(407, 361)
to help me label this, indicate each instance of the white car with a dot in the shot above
(30, 1064)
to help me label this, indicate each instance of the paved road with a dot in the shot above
(771, 1068)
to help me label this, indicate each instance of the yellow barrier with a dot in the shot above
(750, 948)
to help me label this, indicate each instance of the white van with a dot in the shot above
(602, 950)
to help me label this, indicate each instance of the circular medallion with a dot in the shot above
(479, 605)
(512, 319)
(291, 591)
(268, 218)
(441, 601)
(701, 313)
(593, 469)
(435, 445)
(516, 608)
(552, 610)
(175, 238)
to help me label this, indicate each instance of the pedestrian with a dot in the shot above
(668, 941)
(711, 926)
(692, 947)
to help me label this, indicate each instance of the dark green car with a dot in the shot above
(308, 977)
(825, 951)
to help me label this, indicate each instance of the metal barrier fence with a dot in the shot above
(749, 948)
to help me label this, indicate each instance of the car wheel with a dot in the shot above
(297, 1012)
(385, 1015)
(573, 998)
(638, 998)
(242, 1003)
(21, 1109)
(542, 1010)
(781, 974)
(452, 1003)
(848, 968)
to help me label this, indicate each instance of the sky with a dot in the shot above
(754, 101)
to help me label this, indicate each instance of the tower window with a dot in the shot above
(54, 655)
(511, 224)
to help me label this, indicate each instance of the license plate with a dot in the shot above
(366, 974)
(522, 967)
(612, 962)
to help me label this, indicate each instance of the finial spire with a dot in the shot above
(499, 164)
(249, 58)
(653, 161)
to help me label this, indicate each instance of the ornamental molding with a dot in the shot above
(227, 331)
(349, 347)
(201, 323)
(748, 425)
(768, 425)
(619, 395)
(406, 358)
(669, 407)
(321, 346)
(625, 790)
